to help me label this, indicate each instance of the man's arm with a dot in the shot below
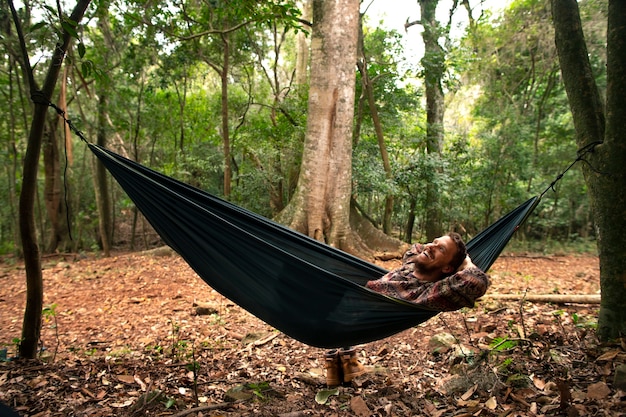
(458, 290)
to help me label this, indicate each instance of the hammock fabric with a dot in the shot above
(308, 290)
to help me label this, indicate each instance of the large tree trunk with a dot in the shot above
(320, 207)
(605, 174)
(31, 327)
(433, 63)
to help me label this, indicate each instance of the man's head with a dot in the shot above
(442, 257)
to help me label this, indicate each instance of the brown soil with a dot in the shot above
(123, 333)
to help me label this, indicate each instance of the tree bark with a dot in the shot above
(302, 54)
(321, 202)
(433, 63)
(31, 327)
(225, 128)
(103, 199)
(600, 129)
(102, 186)
(320, 207)
(369, 93)
(54, 190)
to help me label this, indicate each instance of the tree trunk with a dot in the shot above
(31, 327)
(320, 206)
(433, 63)
(54, 191)
(102, 186)
(410, 220)
(369, 93)
(52, 183)
(302, 54)
(225, 129)
(605, 174)
(11, 149)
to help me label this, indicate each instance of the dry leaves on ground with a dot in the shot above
(142, 335)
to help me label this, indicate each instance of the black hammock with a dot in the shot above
(308, 290)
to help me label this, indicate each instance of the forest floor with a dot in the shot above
(122, 336)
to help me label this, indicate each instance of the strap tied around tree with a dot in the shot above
(581, 153)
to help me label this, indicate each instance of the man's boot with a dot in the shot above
(334, 375)
(350, 365)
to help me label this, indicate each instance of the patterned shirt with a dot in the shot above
(448, 294)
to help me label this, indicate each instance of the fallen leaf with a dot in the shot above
(127, 379)
(539, 383)
(608, 356)
(598, 391)
(121, 405)
(322, 396)
(468, 394)
(359, 407)
(491, 403)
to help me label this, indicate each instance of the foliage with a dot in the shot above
(508, 129)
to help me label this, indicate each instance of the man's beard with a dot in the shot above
(426, 268)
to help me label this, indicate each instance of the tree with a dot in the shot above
(31, 328)
(434, 67)
(520, 119)
(302, 46)
(321, 205)
(368, 91)
(599, 126)
(215, 32)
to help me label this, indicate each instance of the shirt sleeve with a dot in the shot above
(459, 290)
(454, 292)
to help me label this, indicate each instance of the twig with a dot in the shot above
(521, 313)
(218, 406)
(549, 298)
(467, 330)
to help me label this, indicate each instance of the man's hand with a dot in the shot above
(467, 263)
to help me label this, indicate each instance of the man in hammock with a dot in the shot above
(439, 276)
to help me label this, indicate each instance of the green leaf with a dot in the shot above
(36, 26)
(70, 28)
(169, 403)
(81, 49)
(86, 67)
(322, 396)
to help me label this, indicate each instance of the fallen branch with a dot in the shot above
(219, 406)
(549, 298)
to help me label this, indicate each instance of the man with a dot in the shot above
(439, 276)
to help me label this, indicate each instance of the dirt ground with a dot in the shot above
(138, 334)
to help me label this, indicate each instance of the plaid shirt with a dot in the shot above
(448, 294)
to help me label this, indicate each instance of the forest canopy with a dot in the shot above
(148, 79)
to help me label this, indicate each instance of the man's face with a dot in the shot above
(437, 256)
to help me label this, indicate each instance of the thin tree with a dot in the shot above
(31, 327)
(368, 91)
(599, 127)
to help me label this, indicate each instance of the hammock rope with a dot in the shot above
(590, 147)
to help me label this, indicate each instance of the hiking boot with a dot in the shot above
(334, 375)
(350, 365)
